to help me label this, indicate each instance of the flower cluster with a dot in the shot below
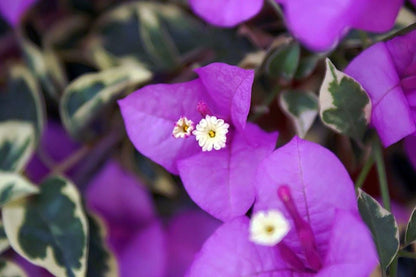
(218, 166)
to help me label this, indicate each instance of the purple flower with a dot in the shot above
(226, 13)
(186, 233)
(135, 233)
(12, 10)
(198, 129)
(319, 27)
(305, 223)
(387, 71)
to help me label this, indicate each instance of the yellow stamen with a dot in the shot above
(269, 229)
(211, 133)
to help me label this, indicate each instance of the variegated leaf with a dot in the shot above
(301, 107)
(10, 269)
(4, 241)
(383, 228)
(101, 261)
(410, 236)
(50, 229)
(22, 88)
(345, 107)
(45, 66)
(86, 97)
(14, 186)
(17, 143)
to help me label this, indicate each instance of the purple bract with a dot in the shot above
(219, 177)
(312, 189)
(387, 71)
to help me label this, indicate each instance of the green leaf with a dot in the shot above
(14, 186)
(410, 236)
(10, 269)
(283, 61)
(87, 96)
(22, 88)
(155, 35)
(301, 107)
(17, 143)
(383, 228)
(45, 66)
(4, 241)
(344, 105)
(306, 66)
(50, 229)
(101, 261)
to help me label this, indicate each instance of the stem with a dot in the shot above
(407, 254)
(71, 161)
(382, 178)
(364, 173)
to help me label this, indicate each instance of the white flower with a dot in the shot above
(268, 227)
(183, 128)
(211, 133)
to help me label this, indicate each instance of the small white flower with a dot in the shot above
(268, 227)
(183, 128)
(211, 133)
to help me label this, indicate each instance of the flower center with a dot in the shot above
(268, 227)
(211, 133)
(183, 128)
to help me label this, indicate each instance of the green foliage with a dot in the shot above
(50, 228)
(86, 97)
(283, 61)
(383, 228)
(16, 144)
(344, 105)
(301, 107)
(101, 262)
(22, 88)
(10, 269)
(410, 235)
(14, 186)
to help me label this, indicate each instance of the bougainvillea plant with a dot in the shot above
(232, 138)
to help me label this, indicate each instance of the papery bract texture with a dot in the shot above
(324, 196)
(219, 181)
(387, 71)
(222, 182)
(226, 13)
(320, 27)
(12, 10)
(318, 181)
(135, 233)
(186, 233)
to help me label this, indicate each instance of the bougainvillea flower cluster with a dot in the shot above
(316, 198)
(387, 70)
(319, 27)
(198, 130)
